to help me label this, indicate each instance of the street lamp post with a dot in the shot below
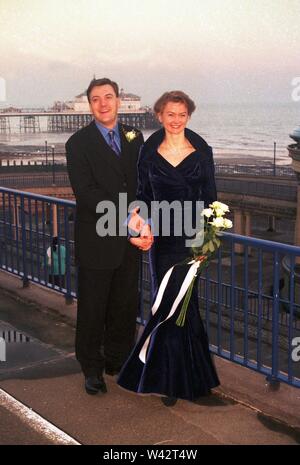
(53, 165)
(274, 164)
(46, 151)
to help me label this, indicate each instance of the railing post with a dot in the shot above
(68, 296)
(272, 379)
(24, 254)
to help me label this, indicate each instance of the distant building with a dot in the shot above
(129, 102)
(62, 106)
(11, 110)
(80, 104)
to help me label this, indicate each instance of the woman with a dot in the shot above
(175, 164)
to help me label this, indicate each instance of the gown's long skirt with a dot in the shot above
(178, 362)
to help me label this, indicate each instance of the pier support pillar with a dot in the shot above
(239, 228)
(248, 227)
(248, 224)
(242, 226)
(297, 225)
(272, 223)
(54, 220)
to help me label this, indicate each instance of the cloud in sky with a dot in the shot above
(218, 50)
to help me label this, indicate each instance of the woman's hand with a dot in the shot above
(143, 243)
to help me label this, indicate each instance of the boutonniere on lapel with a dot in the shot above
(130, 135)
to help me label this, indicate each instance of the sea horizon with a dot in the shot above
(239, 131)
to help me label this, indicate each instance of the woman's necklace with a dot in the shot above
(176, 151)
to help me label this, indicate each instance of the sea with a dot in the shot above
(242, 132)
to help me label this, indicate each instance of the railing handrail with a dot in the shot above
(46, 198)
(262, 243)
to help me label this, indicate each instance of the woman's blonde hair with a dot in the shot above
(174, 96)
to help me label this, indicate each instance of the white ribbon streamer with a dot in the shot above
(184, 287)
(161, 290)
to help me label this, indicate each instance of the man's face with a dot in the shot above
(104, 105)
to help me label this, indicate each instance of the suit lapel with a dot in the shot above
(128, 158)
(104, 151)
(125, 145)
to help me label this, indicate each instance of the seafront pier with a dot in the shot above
(68, 121)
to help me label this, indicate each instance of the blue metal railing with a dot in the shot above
(258, 188)
(255, 169)
(253, 296)
(28, 223)
(35, 180)
(249, 295)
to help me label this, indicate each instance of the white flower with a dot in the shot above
(217, 222)
(130, 135)
(220, 206)
(207, 212)
(227, 223)
(219, 212)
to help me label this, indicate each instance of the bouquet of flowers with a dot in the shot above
(208, 238)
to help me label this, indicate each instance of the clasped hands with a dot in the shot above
(138, 224)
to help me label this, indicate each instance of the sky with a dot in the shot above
(218, 51)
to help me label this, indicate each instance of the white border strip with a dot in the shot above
(35, 421)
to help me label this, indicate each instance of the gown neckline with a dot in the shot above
(176, 166)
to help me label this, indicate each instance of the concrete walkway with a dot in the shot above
(44, 375)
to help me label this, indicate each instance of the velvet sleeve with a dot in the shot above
(209, 190)
(144, 189)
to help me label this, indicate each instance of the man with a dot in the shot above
(101, 163)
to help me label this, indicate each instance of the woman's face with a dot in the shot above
(174, 117)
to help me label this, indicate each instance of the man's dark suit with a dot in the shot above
(107, 266)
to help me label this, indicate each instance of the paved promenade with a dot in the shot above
(42, 400)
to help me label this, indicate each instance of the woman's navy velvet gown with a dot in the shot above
(178, 361)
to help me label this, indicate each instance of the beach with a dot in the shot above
(36, 153)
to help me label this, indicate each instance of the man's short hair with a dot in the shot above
(102, 82)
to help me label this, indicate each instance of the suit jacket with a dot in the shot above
(97, 174)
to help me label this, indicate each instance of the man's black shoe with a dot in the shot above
(112, 371)
(94, 384)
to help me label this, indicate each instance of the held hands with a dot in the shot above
(137, 224)
(145, 240)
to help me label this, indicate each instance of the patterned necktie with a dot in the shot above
(113, 144)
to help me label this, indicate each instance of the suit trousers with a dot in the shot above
(107, 309)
